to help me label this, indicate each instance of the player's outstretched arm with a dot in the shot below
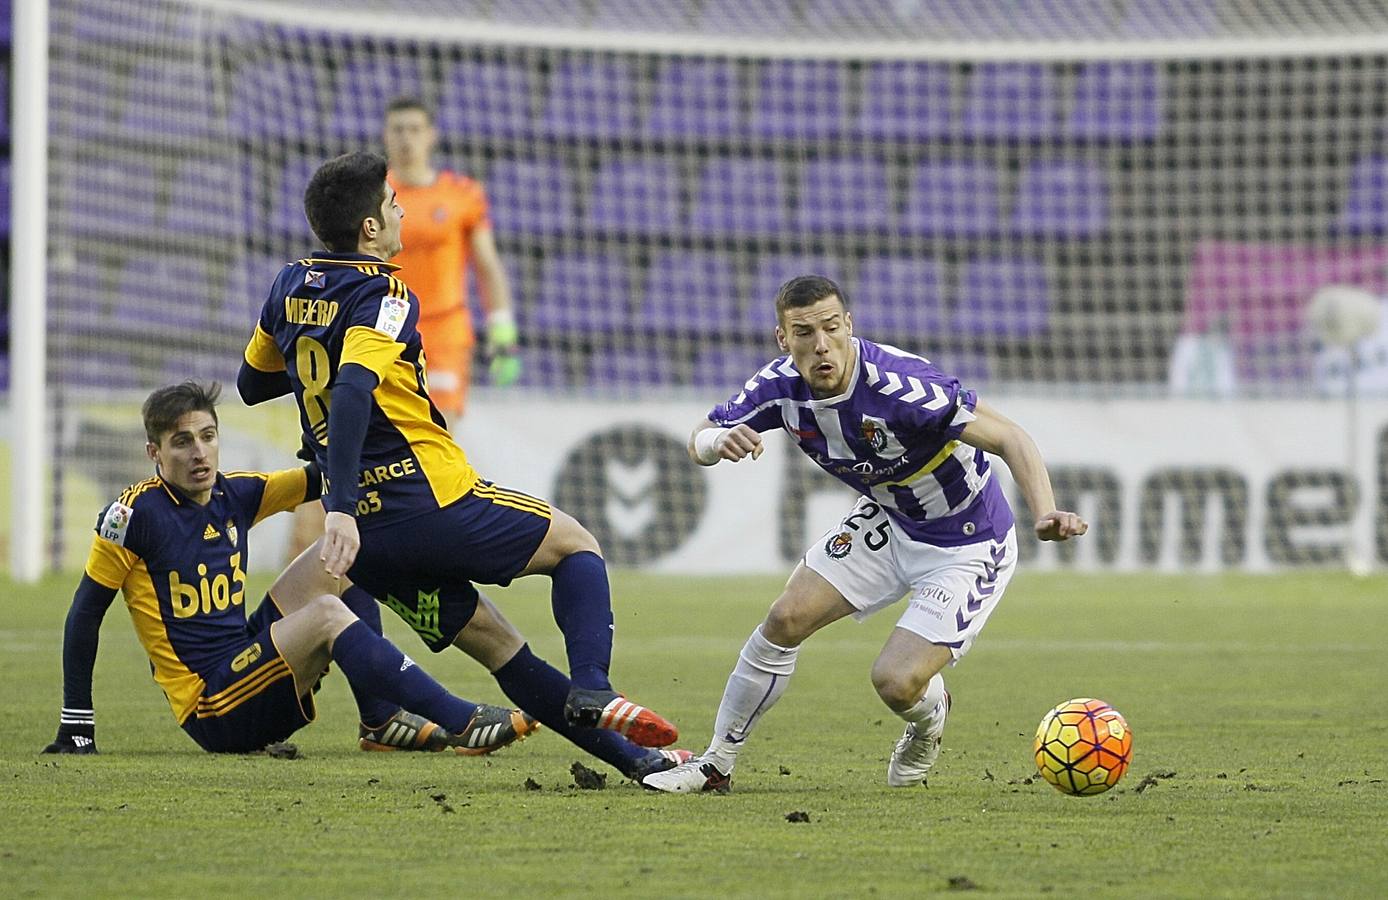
(77, 723)
(993, 432)
(256, 386)
(710, 443)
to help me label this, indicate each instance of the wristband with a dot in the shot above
(707, 444)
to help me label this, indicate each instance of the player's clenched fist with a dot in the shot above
(738, 442)
(1060, 526)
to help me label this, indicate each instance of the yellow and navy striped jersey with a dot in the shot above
(338, 308)
(182, 569)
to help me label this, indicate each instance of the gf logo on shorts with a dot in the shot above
(839, 545)
(246, 657)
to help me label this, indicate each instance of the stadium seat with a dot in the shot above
(725, 368)
(845, 194)
(110, 197)
(740, 197)
(1365, 211)
(1003, 297)
(626, 368)
(1011, 101)
(899, 297)
(1171, 19)
(93, 101)
(774, 270)
(1117, 101)
(693, 292)
(545, 367)
(767, 17)
(695, 98)
(905, 101)
(801, 99)
(636, 197)
(953, 198)
(528, 12)
(580, 293)
(593, 98)
(365, 87)
(206, 200)
(1061, 200)
(657, 16)
(286, 218)
(532, 197)
(166, 292)
(276, 98)
(485, 99)
(170, 100)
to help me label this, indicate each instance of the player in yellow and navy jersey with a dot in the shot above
(175, 546)
(408, 518)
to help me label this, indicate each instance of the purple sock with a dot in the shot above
(582, 604)
(540, 689)
(371, 659)
(373, 709)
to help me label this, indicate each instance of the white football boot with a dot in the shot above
(918, 749)
(691, 777)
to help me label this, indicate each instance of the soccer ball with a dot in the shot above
(1083, 747)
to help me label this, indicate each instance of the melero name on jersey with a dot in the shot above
(309, 311)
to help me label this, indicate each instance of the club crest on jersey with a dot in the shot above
(875, 435)
(115, 523)
(314, 279)
(839, 545)
(391, 319)
(231, 532)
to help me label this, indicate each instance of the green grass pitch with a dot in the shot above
(1258, 707)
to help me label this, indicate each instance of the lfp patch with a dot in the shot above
(115, 523)
(391, 319)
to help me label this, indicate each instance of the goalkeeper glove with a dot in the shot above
(502, 337)
(73, 739)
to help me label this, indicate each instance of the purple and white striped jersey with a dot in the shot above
(893, 435)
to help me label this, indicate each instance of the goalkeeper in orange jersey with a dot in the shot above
(447, 227)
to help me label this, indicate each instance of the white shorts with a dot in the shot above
(953, 590)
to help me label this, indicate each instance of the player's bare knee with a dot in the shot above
(897, 690)
(786, 625)
(331, 614)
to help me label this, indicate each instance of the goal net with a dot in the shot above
(1152, 232)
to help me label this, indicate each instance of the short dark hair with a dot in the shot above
(401, 104)
(344, 192)
(163, 408)
(807, 290)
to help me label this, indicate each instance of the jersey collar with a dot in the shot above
(326, 258)
(179, 498)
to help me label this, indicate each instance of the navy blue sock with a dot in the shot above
(540, 689)
(371, 659)
(582, 604)
(373, 709)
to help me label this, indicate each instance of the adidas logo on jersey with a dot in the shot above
(210, 533)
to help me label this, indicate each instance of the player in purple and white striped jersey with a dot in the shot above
(931, 521)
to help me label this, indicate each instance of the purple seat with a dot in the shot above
(171, 99)
(733, 17)
(277, 97)
(84, 102)
(953, 198)
(365, 87)
(905, 101)
(695, 98)
(1011, 101)
(1003, 297)
(726, 368)
(857, 18)
(1117, 101)
(592, 98)
(110, 197)
(695, 292)
(486, 99)
(636, 197)
(660, 16)
(902, 296)
(580, 293)
(799, 99)
(545, 367)
(205, 200)
(844, 194)
(551, 13)
(627, 367)
(1171, 19)
(168, 292)
(740, 196)
(772, 271)
(532, 196)
(287, 217)
(1061, 200)
(1366, 204)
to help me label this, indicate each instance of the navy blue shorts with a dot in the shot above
(249, 699)
(424, 568)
